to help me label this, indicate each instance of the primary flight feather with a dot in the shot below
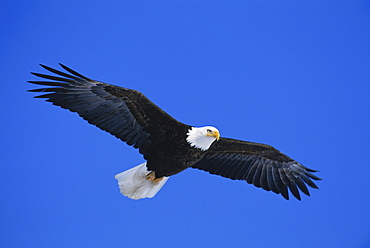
(167, 145)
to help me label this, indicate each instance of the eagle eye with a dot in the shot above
(209, 131)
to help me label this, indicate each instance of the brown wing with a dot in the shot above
(125, 113)
(257, 164)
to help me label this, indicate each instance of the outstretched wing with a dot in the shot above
(258, 164)
(125, 113)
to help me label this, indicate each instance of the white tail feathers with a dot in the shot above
(134, 185)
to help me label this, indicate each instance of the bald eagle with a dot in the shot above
(167, 145)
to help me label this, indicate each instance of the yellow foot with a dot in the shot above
(157, 180)
(151, 177)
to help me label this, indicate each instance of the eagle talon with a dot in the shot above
(157, 180)
(151, 177)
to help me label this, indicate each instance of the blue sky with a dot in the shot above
(292, 74)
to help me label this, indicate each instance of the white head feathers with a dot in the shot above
(202, 137)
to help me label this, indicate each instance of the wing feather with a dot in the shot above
(215, 167)
(302, 186)
(72, 72)
(252, 171)
(263, 179)
(270, 179)
(221, 167)
(62, 73)
(52, 77)
(279, 183)
(234, 168)
(257, 175)
(246, 167)
(125, 113)
(258, 164)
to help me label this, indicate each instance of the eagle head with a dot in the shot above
(202, 137)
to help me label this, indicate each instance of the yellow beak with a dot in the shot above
(216, 134)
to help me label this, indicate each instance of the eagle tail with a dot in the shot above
(134, 184)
